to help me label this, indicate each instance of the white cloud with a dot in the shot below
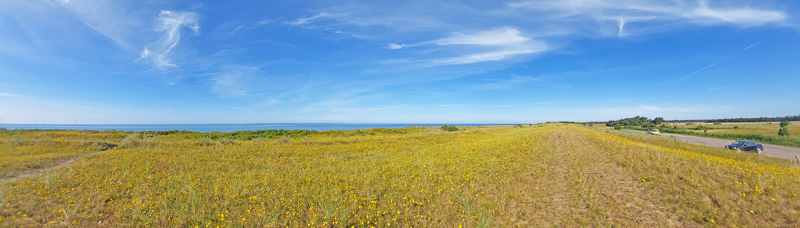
(234, 81)
(515, 81)
(625, 12)
(489, 45)
(502, 36)
(744, 16)
(698, 71)
(229, 85)
(107, 17)
(170, 24)
(482, 57)
(306, 20)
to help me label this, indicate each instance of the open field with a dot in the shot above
(764, 128)
(762, 132)
(499, 176)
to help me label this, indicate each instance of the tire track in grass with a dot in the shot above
(35, 172)
(610, 193)
(540, 198)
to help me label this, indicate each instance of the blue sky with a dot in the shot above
(103, 61)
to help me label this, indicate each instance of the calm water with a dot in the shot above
(216, 127)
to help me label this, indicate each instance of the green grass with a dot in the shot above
(757, 132)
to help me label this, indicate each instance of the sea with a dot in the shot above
(218, 127)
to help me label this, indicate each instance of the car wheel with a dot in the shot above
(758, 151)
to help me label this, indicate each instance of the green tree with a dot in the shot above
(784, 131)
(658, 120)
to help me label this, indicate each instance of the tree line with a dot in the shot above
(638, 121)
(741, 119)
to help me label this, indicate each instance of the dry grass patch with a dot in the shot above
(499, 176)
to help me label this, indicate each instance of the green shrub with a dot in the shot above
(717, 123)
(450, 128)
(783, 131)
(784, 123)
(618, 127)
(689, 124)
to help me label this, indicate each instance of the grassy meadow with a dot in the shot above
(762, 132)
(765, 128)
(495, 176)
(23, 151)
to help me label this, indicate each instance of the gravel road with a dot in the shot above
(784, 152)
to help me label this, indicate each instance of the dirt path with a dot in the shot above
(776, 151)
(35, 172)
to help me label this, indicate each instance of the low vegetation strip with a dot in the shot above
(757, 137)
(503, 176)
(275, 134)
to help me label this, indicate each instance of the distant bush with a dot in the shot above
(784, 131)
(618, 127)
(450, 128)
(689, 123)
(717, 123)
(735, 127)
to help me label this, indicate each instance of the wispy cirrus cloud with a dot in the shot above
(106, 17)
(618, 14)
(306, 20)
(234, 81)
(718, 62)
(489, 45)
(517, 80)
(169, 24)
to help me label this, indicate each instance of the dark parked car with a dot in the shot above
(743, 145)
